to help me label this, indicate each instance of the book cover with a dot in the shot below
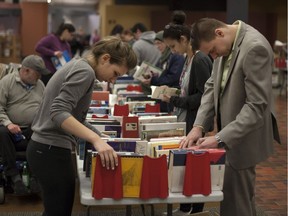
(146, 70)
(131, 175)
(93, 166)
(147, 135)
(107, 183)
(159, 91)
(59, 62)
(130, 128)
(153, 146)
(142, 147)
(154, 182)
(176, 168)
(123, 146)
(156, 126)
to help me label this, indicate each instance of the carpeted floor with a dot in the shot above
(136, 211)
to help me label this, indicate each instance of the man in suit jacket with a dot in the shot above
(239, 95)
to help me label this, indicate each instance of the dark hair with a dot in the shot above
(177, 28)
(63, 27)
(204, 30)
(121, 52)
(178, 17)
(117, 29)
(139, 26)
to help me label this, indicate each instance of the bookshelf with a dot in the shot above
(10, 49)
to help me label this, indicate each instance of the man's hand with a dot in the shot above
(14, 129)
(207, 142)
(191, 138)
(107, 154)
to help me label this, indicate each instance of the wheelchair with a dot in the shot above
(5, 184)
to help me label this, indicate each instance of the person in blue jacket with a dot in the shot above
(171, 64)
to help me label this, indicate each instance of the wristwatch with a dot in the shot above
(221, 144)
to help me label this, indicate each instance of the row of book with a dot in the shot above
(187, 171)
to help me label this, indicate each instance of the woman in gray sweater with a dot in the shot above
(61, 118)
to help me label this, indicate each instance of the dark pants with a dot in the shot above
(196, 207)
(9, 147)
(53, 167)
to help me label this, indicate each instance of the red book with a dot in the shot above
(152, 108)
(197, 178)
(121, 110)
(107, 183)
(154, 183)
(130, 127)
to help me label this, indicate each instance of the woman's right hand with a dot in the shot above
(166, 98)
(107, 154)
(58, 54)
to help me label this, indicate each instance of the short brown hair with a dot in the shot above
(204, 30)
(121, 52)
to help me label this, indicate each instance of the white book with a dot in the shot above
(163, 126)
(159, 91)
(146, 70)
(155, 119)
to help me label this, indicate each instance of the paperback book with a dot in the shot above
(59, 62)
(146, 70)
(159, 91)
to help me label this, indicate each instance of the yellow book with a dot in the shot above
(131, 175)
(93, 165)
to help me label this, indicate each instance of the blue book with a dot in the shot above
(123, 146)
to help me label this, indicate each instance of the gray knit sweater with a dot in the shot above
(68, 93)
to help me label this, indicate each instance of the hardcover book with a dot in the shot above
(123, 146)
(131, 175)
(177, 162)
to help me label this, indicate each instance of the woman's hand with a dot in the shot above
(166, 98)
(107, 154)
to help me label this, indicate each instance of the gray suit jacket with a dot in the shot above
(244, 107)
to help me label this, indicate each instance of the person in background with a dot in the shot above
(61, 118)
(144, 45)
(117, 30)
(79, 43)
(21, 93)
(127, 36)
(171, 64)
(95, 37)
(145, 49)
(53, 45)
(239, 94)
(195, 72)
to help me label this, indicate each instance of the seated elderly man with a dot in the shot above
(20, 95)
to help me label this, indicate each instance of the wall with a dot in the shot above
(269, 17)
(34, 25)
(277, 7)
(127, 16)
